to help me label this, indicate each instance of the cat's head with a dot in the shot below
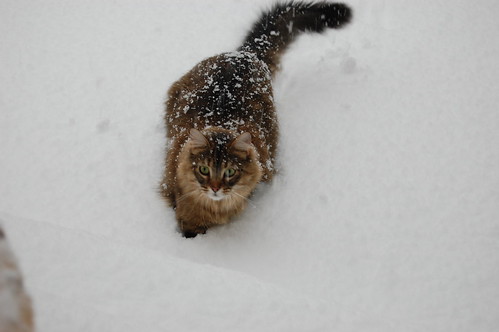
(223, 166)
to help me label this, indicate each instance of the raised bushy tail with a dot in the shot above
(278, 27)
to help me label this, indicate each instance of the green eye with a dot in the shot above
(205, 170)
(230, 172)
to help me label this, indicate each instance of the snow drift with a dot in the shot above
(383, 216)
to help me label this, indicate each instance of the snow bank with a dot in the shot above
(87, 283)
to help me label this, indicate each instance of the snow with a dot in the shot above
(384, 215)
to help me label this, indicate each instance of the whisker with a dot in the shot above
(246, 198)
(184, 196)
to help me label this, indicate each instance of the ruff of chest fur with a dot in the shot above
(196, 209)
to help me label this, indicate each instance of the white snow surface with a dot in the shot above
(385, 213)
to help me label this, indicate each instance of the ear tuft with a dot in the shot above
(198, 140)
(242, 144)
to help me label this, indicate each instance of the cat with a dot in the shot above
(221, 121)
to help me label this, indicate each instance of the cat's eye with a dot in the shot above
(230, 172)
(205, 170)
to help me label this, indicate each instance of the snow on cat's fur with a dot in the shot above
(221, 119)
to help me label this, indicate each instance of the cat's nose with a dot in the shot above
(215, 188)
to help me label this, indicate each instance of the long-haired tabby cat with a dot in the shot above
(221, 122)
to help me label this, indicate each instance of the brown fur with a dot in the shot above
(221, 121)
(246, 106)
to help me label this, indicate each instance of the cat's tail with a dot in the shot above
(278, 27)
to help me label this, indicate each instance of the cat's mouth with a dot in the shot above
(215, 195)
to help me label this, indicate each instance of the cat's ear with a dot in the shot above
(241, 145)
(198, 140)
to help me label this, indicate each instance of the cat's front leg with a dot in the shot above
(189, 220)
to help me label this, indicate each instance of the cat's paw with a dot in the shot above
(189, 234)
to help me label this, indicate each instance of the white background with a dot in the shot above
(385, 213)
